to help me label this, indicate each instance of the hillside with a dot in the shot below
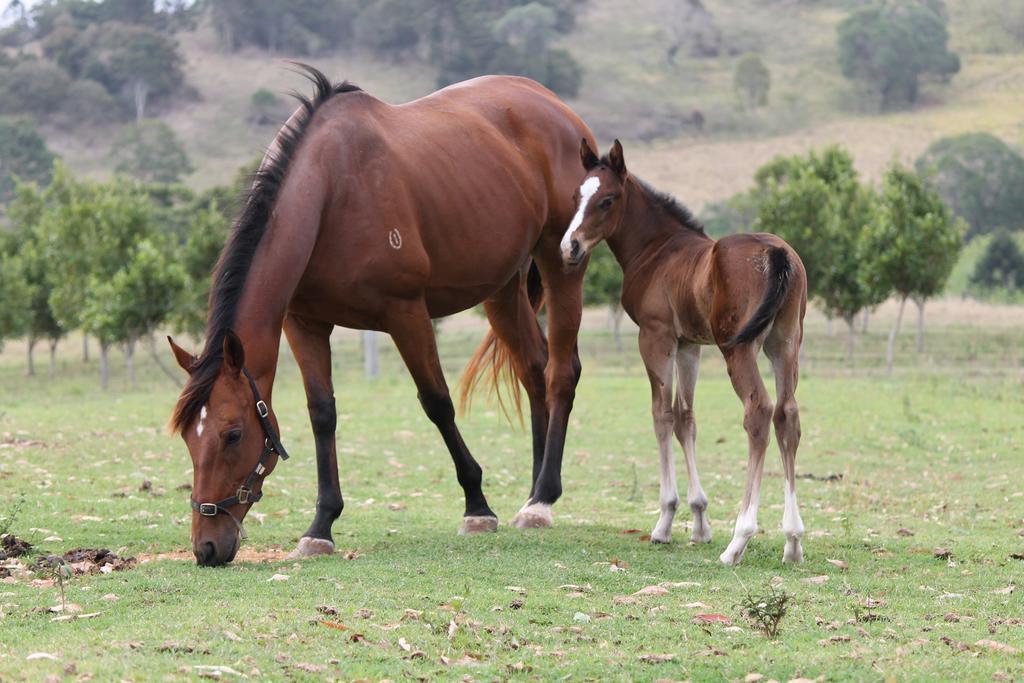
(632, 91)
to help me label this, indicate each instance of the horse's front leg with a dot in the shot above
(311, 345)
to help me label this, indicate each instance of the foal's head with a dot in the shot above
(600, 203)
(218, 417)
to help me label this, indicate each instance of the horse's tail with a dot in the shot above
(494, 355)
(780, 276)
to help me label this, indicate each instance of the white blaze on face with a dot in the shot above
(202, 421)
(587, 190)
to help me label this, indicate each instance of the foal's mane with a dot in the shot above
(672, 206)
(236, 258)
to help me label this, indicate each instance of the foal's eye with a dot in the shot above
(233, 437)
(607, 202)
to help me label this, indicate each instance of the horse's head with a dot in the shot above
(232, 439)
(600, 203)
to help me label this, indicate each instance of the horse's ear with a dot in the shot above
(616, 160)
(185, 359)
(587, 156)
(234, 354)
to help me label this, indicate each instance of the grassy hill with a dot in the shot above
(632, 91)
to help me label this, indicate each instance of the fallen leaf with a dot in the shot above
(364, 613)
(873, 603)
(997, 646)
(834, 639)
(337, 626)
(815, 580)
(516, 589)
(838, 563)
(582, 618)
(656, 659)
(695, 605)
(753, 677)
(327, 610)
(942, 553)
(623, 600)
(630, 531)
(1004, 591)
(278, 577)
(311, 668)
(110, 597)
(705, 619)
(404, 645)
(644, 538)
(904, 532)
(652, 590)
(679, 584)
(412, 615)
(231, 635)
(42, 655)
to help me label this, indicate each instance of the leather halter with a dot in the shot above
(245, 494)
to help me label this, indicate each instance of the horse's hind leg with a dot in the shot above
(310, 343)
(757, 417)
(658, 349)
(784, 355)
(687, 365)
(410, 328)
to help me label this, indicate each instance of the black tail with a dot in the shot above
(779, 277)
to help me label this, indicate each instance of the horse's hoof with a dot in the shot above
(658, 539)
(311, 547)
(793, 554)
(535, 516)
(478, 525)
(701, 535)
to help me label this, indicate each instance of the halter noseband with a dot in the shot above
(245, 494)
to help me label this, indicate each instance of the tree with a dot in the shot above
(1001, 266)
(980, 177)
(818, 206)
(890, 46)
(141, 61)
(913, 245)
(33, 87)
(752, 81)
(206, 237)
(691, 26)
(150, 152)
(16, 296)
(603, 287)
(23, 154)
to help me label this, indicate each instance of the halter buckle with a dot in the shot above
(243, 495)
(208, 509)
(261, 408)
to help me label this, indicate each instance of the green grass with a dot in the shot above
(936, 449)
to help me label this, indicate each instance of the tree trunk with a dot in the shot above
(851, 338)
(892, 337)
(920, 324)
(616, 316)
(104, 365)
(155, 355)
(53, 356)
(828, 327)
(141, 91)
(864, 321)
(129, 360)
(31, 370)
(371, 361)
(85, 348)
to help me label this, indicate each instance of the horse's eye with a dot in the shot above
(233, 437)
(607, 202)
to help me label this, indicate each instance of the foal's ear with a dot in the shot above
(616, 160)
(234, 354)
(184, 358)
(587, 156)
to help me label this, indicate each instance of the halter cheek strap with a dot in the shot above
(245, 494)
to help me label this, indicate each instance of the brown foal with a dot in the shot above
(380, 217)
(684, 290)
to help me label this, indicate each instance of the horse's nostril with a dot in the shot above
(575, 248)
(205, 553)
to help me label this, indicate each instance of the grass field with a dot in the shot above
(898, 467)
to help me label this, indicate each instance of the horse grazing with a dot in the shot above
(381, 217)
(684, 290)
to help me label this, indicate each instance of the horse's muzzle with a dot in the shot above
(210, 553)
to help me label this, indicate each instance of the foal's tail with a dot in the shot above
(495, 354)
(780, 276)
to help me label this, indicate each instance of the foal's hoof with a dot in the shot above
(535, 516)
(311, 547)
(478, 525)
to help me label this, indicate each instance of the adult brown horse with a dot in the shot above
(381, 217)
(684, 290)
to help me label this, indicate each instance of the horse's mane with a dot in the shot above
(236, 258)
(672, 206)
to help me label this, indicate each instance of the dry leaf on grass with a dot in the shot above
(656, 659)
(707, 619)
(337, 626)
(815, 580)
(652, 590)
(42, 655)
(997, 646)
(311, 668)
(278, 577)
(838, 563)
(942, 553)
(1004, 591)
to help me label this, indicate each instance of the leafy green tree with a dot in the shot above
(23, 154)
(1001, 266)
(980, 177)
(151, 152)
(913, 244)
(890, 46)
(141, 61)
(297, 26)
(207, 234)
(752, 81)
(33, 87)
(87, 104)
(817, 204)
(602, 286)
(16, 296)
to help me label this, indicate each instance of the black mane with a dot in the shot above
(236, 258)
(672, 207)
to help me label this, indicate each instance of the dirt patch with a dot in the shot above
(12, 546)
(88, 561)
(248, 555)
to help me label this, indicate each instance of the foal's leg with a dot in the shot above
(784, 355)
(410, 328)
(563, 294)
(515, 323)
(757, 416)
(310, 343)
(658, 349)
(687, 365)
